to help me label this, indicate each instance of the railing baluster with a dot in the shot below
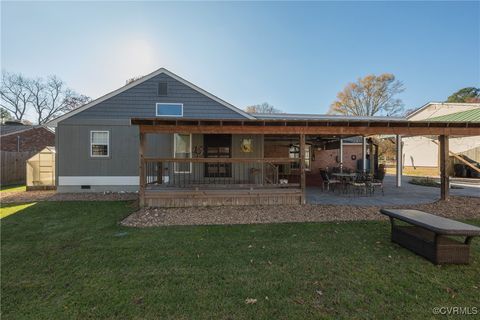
(245, 173)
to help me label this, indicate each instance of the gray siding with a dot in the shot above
(140, 100)
(74, 151)
(73, 144)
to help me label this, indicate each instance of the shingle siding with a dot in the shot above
(139, 101)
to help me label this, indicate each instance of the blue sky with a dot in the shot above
(296, 56)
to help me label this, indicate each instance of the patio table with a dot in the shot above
(344, 175)
(344, 178)
(429, 235)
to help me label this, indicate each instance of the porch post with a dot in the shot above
(364, 154)
(398, 142)
(341, 155)
(372, 158)
(302, 168)
(141, 192)
(444, 178)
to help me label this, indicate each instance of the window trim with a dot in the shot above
(91, 144)
(175, 152)
(166, 115)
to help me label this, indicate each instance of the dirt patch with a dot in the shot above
(455, 207)
(51, 195)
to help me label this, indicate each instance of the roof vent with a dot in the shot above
(162, 88)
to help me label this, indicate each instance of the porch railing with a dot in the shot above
(204, 173)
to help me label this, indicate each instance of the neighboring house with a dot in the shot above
(179, 145)
(421, 152)
(19, 142)
(17, 137)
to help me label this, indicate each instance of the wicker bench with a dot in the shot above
(430, 236)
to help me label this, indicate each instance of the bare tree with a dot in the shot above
(51, 97)
(262, 108)
(370, 96)
(14, 94)
(38, 97)
(43, 98)
(76, 100)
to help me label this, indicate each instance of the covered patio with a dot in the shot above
(407, 194)
(207, 172)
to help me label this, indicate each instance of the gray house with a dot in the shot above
(97, 145)
(179, 145)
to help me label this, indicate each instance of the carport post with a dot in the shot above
(302, 169)
(364, 154)
(399, 160)
(444, 178)
(341, 155)
(141, 170)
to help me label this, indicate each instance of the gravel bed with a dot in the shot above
(455, 207)
(51, 195)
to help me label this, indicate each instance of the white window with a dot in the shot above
(99, 144)
(182, 149)
(169, 109)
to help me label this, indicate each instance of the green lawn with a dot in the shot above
(13, 188)
(72, 260)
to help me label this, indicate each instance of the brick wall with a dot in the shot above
(34, 139)
(328, 158)
(323, 158)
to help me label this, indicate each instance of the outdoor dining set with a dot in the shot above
(355, 183)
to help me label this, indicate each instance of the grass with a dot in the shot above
(13, 188)
(12, 209)
(429, 182)
(73, 260)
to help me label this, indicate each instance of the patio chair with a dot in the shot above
(327, 181)
(359, 184)
(378, 181)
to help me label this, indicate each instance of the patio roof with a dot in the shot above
(322, 117)
(333, 125)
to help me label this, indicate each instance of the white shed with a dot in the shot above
(41, 170)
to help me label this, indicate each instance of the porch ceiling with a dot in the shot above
(339, 127)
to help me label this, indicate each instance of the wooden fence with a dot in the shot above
(13, 167)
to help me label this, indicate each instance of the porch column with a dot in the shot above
(341, 155)
(302, 168)
(444, 178)
(372, 158)
(364, 154)
(398, 142)
(141, 151)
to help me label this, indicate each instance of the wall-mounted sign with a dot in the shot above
(247, 145)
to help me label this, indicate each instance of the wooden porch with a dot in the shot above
(175, 182)
(181, 182)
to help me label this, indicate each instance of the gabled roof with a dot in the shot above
(67, 115)
(5, 130)
(464, 116)
(426, 105)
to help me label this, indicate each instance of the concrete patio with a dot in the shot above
(405, 195)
